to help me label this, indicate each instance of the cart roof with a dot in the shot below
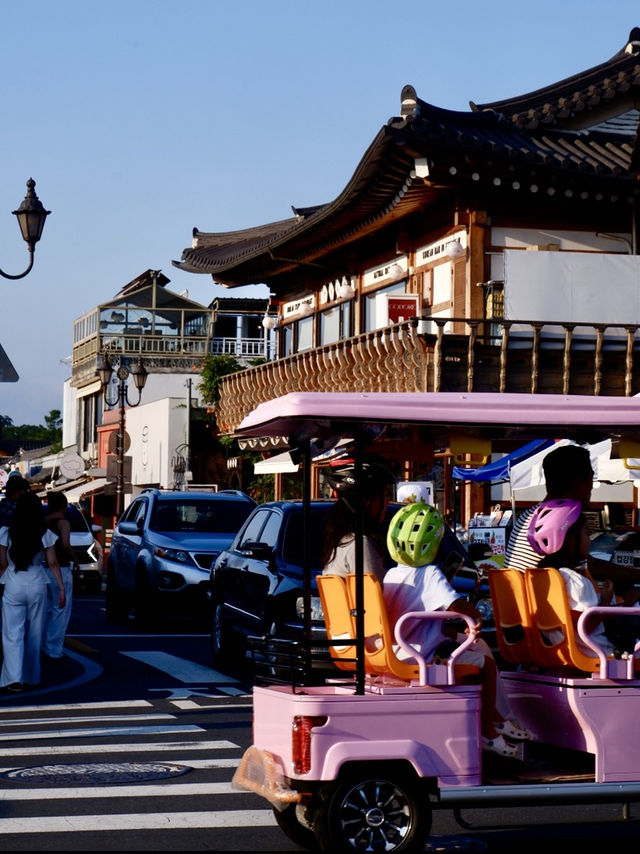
(309, 415)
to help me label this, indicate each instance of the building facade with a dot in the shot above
(495, 248)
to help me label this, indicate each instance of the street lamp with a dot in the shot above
(31, 217)
(105, 370)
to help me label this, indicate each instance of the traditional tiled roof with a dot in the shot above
(575, 140)
(574, 98)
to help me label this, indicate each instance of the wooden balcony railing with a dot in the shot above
(425, 354)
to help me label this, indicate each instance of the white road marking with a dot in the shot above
(147, 821)
(79, 719)
(116, 790)
(88, 707)
(147, 747)
(180, 668)
(182, 760)
(94, 732)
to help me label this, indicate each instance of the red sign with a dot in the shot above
(401, 308)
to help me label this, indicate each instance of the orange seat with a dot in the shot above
(380, 657)
(511, 613)
(338, 619)
(550, 613)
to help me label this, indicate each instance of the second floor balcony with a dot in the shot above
(450, 354)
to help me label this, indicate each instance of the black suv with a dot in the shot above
(163, 548)
(256, 583)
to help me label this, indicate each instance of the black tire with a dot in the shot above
(291, 822)
(115, 604)
(222, 650)
(144, 606)
(370, 813)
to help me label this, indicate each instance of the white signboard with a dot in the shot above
(587, 287)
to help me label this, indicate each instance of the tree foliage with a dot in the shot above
(216, 367)
(50, 431)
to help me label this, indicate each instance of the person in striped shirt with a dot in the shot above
(568, 473)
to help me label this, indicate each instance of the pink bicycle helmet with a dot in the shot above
(549, 524)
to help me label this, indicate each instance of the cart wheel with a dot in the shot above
(364, 813)
(291, 821)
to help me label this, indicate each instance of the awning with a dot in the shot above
(279, 464)
(499, 470)
(77, 493)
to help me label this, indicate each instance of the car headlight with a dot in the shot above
(176, 555)
(485, 609)
(316, 608)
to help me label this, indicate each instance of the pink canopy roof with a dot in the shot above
(314, 414)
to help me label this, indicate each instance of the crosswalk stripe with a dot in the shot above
(139, 747)
(79, 718)
(135, 821)
(94, 732)
(85, 707)
(180, 668)
(205, 764)
(174, 790)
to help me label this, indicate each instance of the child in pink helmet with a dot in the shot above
(558, 532)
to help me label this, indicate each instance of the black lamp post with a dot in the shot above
(105, 370)
(31, 218)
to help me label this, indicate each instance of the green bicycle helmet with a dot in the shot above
(415, 534)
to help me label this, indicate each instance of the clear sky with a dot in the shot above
(140, 119)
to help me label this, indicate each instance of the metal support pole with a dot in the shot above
(122, 393)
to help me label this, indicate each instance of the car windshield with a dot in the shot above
(200, 515)
(77, 523)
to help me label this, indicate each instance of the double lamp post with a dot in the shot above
(106, 370)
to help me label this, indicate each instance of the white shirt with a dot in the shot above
(36, 570)
(582, 595)
(344, 560)
(422, 588)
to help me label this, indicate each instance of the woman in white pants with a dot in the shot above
(24, 545)
(57, 618)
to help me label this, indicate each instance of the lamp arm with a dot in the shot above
(26, 272)
(110, 402)
(128, 402)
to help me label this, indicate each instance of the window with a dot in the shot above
(370, 318)
(271, 530)
(251, 533)
(335, 323)
(305, 334)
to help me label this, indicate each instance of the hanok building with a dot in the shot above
(489, 249)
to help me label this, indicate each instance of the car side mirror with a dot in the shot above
(129, 528)
(259, 551)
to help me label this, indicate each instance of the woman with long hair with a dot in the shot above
(25, 545)
(339, 545)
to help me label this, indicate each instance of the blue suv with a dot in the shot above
(163, 548)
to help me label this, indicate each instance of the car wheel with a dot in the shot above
(222, 650)
(144, 600)
(292, 821)
(115, 604)
(371, 813)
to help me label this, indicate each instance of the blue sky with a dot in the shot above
(140, 119)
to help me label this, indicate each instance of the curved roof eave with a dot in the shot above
(601, 82)
(262, 241)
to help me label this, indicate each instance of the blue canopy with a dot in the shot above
(499, 469)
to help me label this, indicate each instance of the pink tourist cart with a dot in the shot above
(358, 761)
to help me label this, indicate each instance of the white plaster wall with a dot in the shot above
(156, 429)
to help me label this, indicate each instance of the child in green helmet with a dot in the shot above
(418, 584)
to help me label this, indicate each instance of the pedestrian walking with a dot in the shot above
(57, 617)
(24, 545)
